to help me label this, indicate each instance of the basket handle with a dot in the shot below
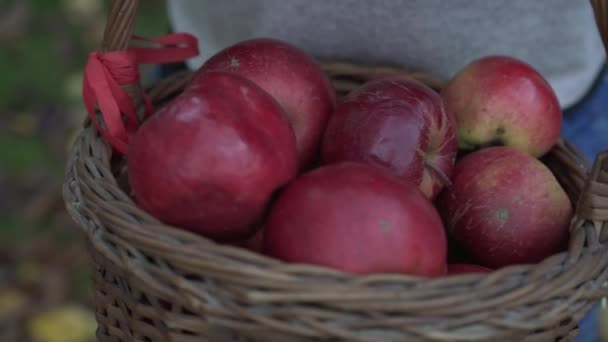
(592, 204)
(596, 190)
(111, 88)
(117, 36)
(120, 24)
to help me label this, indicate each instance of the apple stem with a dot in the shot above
(442, 176)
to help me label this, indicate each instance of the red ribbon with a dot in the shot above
(105, 73)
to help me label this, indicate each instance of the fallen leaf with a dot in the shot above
(64, 324)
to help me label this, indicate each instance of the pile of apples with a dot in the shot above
(259, 152)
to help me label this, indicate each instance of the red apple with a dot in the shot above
(292, 77)
(398, 124)
(357, 218)
(210, 160)
(500, 100)
(454, 269)
(505, 207)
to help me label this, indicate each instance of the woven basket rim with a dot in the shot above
(337, 69)
(183, 234)
(95, 201)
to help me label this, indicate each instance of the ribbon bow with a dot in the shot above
(105, 73)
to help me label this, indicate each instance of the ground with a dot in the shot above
(44, 270)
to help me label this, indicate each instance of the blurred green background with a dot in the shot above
(44, 275)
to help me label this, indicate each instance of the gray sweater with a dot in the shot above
(558, 37)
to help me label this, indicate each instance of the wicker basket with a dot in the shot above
(157, 283)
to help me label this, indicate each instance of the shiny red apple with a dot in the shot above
(500, 100)
(505, 207)
(398, 124)
(357, 218)
(210, 160)
(292, 77)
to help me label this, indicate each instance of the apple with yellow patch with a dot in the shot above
(500, 100)
(398, 124)
(505, 207)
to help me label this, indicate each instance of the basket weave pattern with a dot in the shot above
(158, 283)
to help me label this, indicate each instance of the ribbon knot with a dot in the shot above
(105, 73)
(122, 65)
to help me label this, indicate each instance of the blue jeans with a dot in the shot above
(588, 327)
(586, 125)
